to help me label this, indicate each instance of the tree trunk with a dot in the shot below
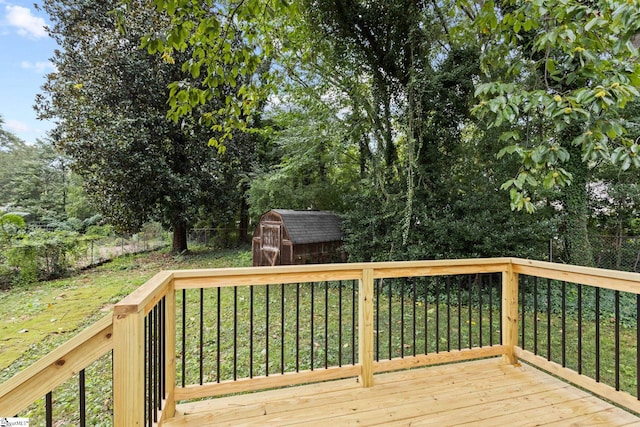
(179, 238)
(243, 228)
(575, 200)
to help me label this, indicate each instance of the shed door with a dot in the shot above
(270, 243)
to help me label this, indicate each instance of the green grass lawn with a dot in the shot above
(37, 318)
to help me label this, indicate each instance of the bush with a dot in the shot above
(42, 255)
(100, 230)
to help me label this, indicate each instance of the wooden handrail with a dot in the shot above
(608, 279)
(34, 382)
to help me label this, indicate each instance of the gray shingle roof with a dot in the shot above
(311, 226)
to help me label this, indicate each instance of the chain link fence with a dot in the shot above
(214, 237)
(102, 249)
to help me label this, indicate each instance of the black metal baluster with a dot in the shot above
(548, 319)
(597, 334)
(312, 331)
(297, 327)
(617, 339)
(500, 307)
(535, 315)
(149, 356)
(470, 312)
(267, 331)
(154, 362)
(218, 330)
(184, 336)
(147, 375)
(522, 315)
(282, 324)
(378, 284)
(235, 333)
(459, 313)
(637, 348)
(437, 316)
(83, 398)
(145, 369)
(579, 328)
(481, 287)
(49, 409)
(326, 324)
(491, 310)
(564, 324)
(448, 288)
(157, 342)
(414, 298)
(163, 347)
(353, 322)
(251, 309)
(340, 323)
(390, 323)
(402, 317)
(426, 316)
(201, 349)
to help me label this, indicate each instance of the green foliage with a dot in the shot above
(9, 225)
(473, 224)
(557, 65)
(317, 161)
(228, 42)
(42, 255)
(35, 179)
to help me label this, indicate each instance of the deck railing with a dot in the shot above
(204, 333)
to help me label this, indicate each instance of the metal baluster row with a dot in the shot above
(267, 326)
(452, 305)
(584, 329)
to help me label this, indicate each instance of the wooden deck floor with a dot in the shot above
(480, 393)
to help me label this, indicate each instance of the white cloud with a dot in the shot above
(27, 24)
(39, 67)
(16, 126)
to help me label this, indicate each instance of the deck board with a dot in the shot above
(478, 393)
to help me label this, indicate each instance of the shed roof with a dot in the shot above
(305, 226)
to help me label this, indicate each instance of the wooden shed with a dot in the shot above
(285, 236)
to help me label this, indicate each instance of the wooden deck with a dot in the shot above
(481, 393)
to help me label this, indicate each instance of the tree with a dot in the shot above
(559, 74)
(315, 163)
(109, 97)
(228, 43)
(34, 178)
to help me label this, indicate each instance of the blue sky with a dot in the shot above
(25, 50)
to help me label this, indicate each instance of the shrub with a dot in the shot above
(43, 255)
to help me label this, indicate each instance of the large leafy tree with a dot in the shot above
(109, 100)
(560, 74)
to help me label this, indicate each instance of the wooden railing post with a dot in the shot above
(128, 368)
(510, 314)
(365, 327)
